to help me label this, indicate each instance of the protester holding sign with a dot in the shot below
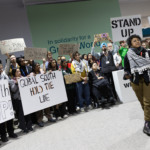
(70, 89)
(24, 69)
(137, 69)
(107, 66)
(83, 86)
(13, 65)
(8, 124)
(60, 109)
(39, 114)
(25, 122)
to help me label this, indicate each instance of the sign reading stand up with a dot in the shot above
(123, 27)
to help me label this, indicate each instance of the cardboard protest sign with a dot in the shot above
(72, 78)
(123, 27)
(101, 37)
(42, 91)
(35, 53)
(66, 49)
(12, 45)
(6, 109)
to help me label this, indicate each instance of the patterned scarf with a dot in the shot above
(79, 66)
(138, 63)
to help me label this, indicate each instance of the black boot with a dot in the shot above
(4, 138)
(146, 128)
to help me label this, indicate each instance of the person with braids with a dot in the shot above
(137, 69)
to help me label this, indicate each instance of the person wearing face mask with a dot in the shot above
(108, 66)
(137, 69)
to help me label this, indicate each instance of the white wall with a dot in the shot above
(134, 7)
(14, 22)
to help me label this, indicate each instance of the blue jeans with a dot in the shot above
(83, 94)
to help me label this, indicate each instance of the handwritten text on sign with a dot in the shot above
(35, 53)
(12, 45)
(42, 91)
(123, 27)
(6, 109)
(66, 49)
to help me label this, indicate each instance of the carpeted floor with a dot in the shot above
(118, 128)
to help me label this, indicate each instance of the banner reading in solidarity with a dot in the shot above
(6, 109)
(123, 27)
(12, 45)
(35, 53)
(42, 91)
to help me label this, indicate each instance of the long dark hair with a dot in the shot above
(50, 65)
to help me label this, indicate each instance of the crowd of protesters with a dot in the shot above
(96, 88)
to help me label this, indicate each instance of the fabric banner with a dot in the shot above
(42, 91)
(35, 53)
(12, 45)
(6, 109)
(123, 27)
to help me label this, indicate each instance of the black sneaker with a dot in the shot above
(146, 128)
(4, 138)
(13, 135)
(40, 124)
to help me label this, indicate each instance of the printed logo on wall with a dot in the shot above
(123, 27)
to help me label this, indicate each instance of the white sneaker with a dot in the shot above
(82, 110)
(59, 118)
(90, 107)
(78, 108)
(65, 116)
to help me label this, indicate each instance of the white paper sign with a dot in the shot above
(149, 19)
(123, 27)
(123, 87)
(42, 91)
(12, 45)
(6, 109)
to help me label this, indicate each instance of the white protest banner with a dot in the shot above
(35, 53)
(66, 49)
(12, 45)
(6, 109)
(42, 91)
(123, 27)
(101, 37)
(123, 87)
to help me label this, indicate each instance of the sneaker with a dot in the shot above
(146, 128)
(4, 138)
(40, 124)
(59, 118)
(30, 129)
(52, 120)
(65, 116)
(82, 110)
(90, 107)
(13, 135)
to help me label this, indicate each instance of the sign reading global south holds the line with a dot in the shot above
(123, 27)
(42, 91)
